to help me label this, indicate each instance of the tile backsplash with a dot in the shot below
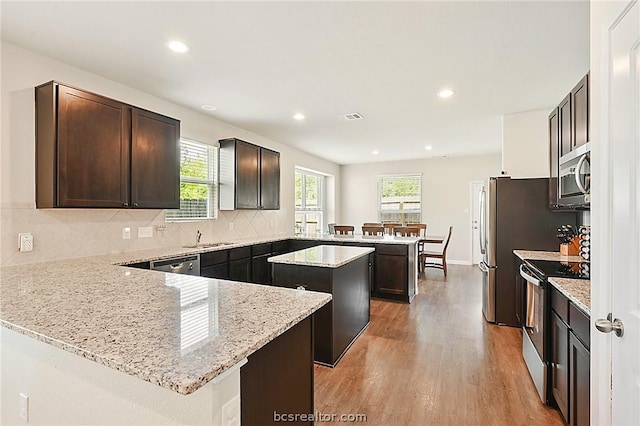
(69, 233)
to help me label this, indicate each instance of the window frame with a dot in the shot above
(381, 178)
(213, 161)
(304, 210)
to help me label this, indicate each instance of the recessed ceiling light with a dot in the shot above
(428, 147)
(445, 93)
(208, 107)
(375, 152)
(177, 46)
(299, 116)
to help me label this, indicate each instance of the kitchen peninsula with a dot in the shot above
(91, 342)
(345, 272)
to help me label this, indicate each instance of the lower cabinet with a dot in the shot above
(215, 264)
(390, 272)
(277, 381)
(240, 264)
(569, 359)
(260, 267)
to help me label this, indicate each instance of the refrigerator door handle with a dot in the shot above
(483, 267)
(483, 222)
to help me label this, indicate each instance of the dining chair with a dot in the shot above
(388, 227)
(406, 231)
(343, 229)
(442, 255)
(373, 230)
(372, 224)
(423, 233)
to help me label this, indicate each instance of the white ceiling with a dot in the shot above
(259, 63)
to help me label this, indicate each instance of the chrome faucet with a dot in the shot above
(198, 236)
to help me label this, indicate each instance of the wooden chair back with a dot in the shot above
(406, 231)
(422, 227)
(372, 224)
(373, 230)
(446, 243)
(388, 227)
(343, 229)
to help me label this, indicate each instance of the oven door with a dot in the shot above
(533, 339)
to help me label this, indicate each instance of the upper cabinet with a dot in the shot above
(580, 113)
(554, 149)
(249, 176)
(96, 152)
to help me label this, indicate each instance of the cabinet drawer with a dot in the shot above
(239, 253)
(213, 257)
(580, 324)
(560, 304)
(259, 249)
(281, 247)
(391, 249)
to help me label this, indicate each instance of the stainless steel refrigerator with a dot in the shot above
(514, 215)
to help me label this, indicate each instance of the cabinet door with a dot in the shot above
(566, 131)
(155, 161)
(579, 369)
(269, 179)
(390, 275)
(240, 270)
(247, 176)
(261, 269)
(560, 363)
(220, 271)
(580, 112)
(554, 149)
(93, 150)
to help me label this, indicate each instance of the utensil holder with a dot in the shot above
(572, 248)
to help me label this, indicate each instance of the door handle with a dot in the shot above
(577, 176)
(606, 326)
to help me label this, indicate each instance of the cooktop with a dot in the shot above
(562, 269)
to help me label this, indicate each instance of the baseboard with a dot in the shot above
(459, 262)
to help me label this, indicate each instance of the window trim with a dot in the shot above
(320, 210)
(418, 176)
(213, 160)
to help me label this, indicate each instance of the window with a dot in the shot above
(198, 182)
(400, 199)
(309, 202)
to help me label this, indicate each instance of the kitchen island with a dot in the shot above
(90, 342)
(345, 272)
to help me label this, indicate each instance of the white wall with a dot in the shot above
(446, 198)
(525, 144)
(78, 232)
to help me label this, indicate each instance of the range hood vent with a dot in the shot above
(350, 117)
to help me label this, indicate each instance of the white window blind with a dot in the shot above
(309, 198)
(198, 182)
(400, 199)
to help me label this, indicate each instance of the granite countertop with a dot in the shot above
(326, 256)
(177, 331)
(576, 290)
(385, 239)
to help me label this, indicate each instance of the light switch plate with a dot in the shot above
(25, 241)
(145, 232)
(126, 233)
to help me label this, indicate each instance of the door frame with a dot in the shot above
(472, 196)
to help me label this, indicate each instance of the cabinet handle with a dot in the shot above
(135, 204)
(126, 204)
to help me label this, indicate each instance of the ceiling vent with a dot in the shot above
(350, 117)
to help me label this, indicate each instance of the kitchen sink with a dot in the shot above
(207, 245)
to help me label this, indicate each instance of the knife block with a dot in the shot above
(572, 248)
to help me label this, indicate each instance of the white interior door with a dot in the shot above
(476, 186)
(618, 215)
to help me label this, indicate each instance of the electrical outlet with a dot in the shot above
(25, 241)
(145, 232)
(231, 412)
(126, 233)
(230, 226)
(23, 407)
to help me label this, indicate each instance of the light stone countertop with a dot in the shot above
(177, 331)
(325, 256)
(576, 290)
(374, 239)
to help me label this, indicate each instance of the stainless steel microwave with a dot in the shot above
(574, 178)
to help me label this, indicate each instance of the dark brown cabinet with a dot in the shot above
(240, 264)
(215, 264)
(580, 113)
(565, 126)
(260, 267)
(249, 176)
(96, 152)
(554, 150)
(569, 358)
(390, 271)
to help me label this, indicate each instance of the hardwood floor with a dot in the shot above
(435, 361)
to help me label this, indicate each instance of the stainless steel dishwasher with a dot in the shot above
(189, 265)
